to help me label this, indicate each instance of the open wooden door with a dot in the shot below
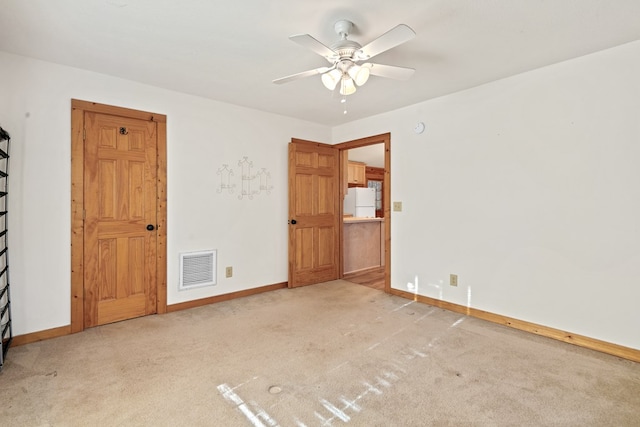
(314, 213)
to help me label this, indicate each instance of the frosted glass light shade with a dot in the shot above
(331, 79)
(359, 74)
(347, 87)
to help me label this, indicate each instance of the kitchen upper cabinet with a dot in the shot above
(356, 175)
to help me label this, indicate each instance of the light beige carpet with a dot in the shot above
(332, 354)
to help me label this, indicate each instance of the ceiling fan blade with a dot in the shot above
(301, 75)
(305, 40)
(392, 38)
(390, 71)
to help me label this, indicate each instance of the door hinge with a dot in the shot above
(84, 134)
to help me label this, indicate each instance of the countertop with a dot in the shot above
(351, 219)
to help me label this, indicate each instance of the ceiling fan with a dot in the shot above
(344, 56)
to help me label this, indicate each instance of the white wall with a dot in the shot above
(250, 235)
(528, 188)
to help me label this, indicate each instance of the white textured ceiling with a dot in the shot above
(231, 51)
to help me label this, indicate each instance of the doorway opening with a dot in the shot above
(366, 226)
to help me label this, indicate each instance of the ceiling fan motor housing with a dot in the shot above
(345, 48)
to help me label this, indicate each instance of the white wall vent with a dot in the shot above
(197, 269)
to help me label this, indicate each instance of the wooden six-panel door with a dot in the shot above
(120, 218)
(314, 213)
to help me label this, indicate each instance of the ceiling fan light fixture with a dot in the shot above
(359, 74)
(330, 80)
(346, 86)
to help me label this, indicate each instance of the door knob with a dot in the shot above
(150, 227)
(293, 221)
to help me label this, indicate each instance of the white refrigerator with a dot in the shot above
(360, 202)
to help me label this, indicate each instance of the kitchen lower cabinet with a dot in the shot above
(363, 244)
